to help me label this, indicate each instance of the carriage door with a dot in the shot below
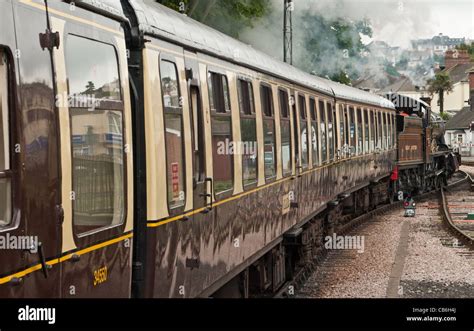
(29, 192)
(96, 156)
(12, 260)
(197, 120)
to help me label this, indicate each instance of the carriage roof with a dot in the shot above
(161, 22)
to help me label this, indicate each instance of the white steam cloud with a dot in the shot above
(393, 21)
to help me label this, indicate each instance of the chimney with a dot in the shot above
(453, 57)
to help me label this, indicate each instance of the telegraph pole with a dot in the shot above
(288, 31)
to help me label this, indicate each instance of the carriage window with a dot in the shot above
(248, 127)
(359, 132)
(347, 129)
(221, 123)
(390, 128)
(285, 132)
(5, 173)
(366, 131)
(174, 136)
(314, 131)
(372, 131)
(303, 131)
(385, 130)
(394, 132)
(352, 129)
(379, 130)
(268, 131)
(331, 133)
(335, 132)
(324, 142)
(341, 130)
(389, 131)
(330, 130)
(98, 176)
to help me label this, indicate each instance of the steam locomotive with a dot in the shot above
(125, 169)
(424, 161)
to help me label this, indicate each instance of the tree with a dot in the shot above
(440, 84)
(445, 116)
(90, 88)
(332, 47)
(227, 16)
(341, 77)
(328, 47)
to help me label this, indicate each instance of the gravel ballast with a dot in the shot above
(430, 266)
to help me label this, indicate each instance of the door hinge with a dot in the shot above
(49, 40)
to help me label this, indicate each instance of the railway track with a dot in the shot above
(457, 209)
(301, 276)
(335, 261)
(467, 163)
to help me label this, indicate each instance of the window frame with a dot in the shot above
(265, 117)
(366, 130)
(285, 119)
(335, 124)
(379, 130)
(303, 118)
(12, 173)
(167, 111)
(108, 105)
(331, 141)
(347, 129)
(373, 131)
(323, 122)
(351, 115)
(313, 115)
(394, 131)
(342, 131)
(251, 116)
(104, 104)
(215, 114)
(390, 132)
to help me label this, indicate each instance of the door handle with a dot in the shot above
(44, 266)
(209, 195)
(299, 169)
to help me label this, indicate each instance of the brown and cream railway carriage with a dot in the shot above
(155, 157)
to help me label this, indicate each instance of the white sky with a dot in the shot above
(425, 18)
(399, 21)
(455, 17)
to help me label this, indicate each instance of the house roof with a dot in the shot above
(402, 85)
(446, 40)
(375, 81)
(462, 120)
(459, 72)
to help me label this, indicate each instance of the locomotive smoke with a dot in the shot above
(393, 21)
